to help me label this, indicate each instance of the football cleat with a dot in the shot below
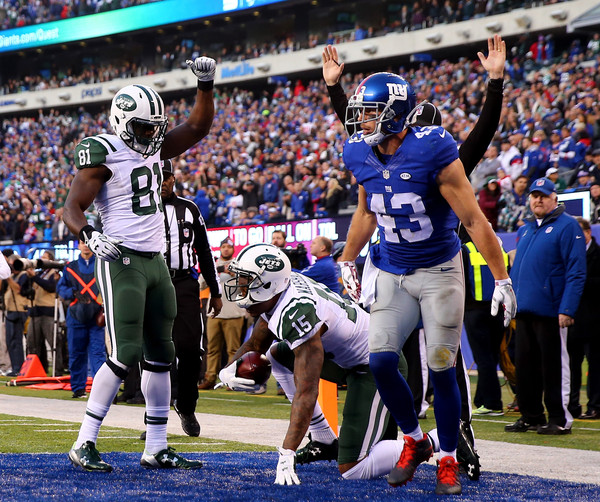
(466, 454)
(88, 458)
(315, 451)
(413, 453)
(448, 481)
(168, 459)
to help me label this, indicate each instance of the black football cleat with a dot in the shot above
(466, 455)
(315, 451)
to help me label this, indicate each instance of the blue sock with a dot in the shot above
(393, 389)
(446, 397)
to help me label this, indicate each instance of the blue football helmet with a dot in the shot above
(388, 95)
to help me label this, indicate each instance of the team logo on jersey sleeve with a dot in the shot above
(125, 102)
(269, 262)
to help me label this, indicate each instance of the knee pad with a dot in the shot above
(120, 370)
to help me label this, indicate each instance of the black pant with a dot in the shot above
(484, 333)
(187, 336)
(579, 344)
(542, 364)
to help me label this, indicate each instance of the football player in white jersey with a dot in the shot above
(121, 173)
(318, 334)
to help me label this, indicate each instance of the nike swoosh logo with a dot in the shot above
(446, 269)
(293, 314)
(578, 236)
(85, 145)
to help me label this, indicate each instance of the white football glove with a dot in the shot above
(227, 376)
(505, 295)
(203, 67)
(103, 246)
(350, 279)
(286, 468)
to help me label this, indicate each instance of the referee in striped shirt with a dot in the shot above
(186, 245)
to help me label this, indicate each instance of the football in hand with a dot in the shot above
(254, 366)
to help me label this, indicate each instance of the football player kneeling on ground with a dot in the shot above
(317, 335)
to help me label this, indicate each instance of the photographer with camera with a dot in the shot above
(15, 305)
(297, 256)
(85, 331)
(41, 291)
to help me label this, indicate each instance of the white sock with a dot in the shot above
(447, 454)
(104, 389)
(417, 434)
(435, 440)
(380, 461)
(156, 388)
(319, 428)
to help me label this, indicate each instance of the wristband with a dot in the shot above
(206, 85)
(86, 232)
(503, 282)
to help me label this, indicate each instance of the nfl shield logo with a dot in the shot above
(386, 174)
(186, 232)
(126, 260)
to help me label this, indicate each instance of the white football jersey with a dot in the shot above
(129, 202)
(305, 306)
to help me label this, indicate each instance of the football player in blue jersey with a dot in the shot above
(412, 186)
(470, 153)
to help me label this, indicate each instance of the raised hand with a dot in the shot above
(494, 62)
(332, 68)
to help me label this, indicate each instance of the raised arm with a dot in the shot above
(473, 148)
(198, 124)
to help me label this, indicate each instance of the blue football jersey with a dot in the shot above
(416, 224)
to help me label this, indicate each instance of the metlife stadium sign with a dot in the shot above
(139, 17)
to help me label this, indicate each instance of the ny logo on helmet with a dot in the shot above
(125, 102)
(397, 91)
(270, 262)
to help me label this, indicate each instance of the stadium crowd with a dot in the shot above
(19, 13)
(276, 155)
(80, 68)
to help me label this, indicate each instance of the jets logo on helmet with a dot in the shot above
(386, 99)
(125, 103)
(137, 115)
(270, 263)
(262, 271)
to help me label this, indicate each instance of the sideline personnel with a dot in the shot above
(549, 275)
(186, 245)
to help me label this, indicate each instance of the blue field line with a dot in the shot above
(249, 477)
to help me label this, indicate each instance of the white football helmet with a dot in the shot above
(261, 272)
(137, 115)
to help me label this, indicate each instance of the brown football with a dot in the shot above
(255, 366)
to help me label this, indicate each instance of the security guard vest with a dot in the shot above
(482, 280)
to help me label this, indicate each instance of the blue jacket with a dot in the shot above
(549, 271)
(325, 271)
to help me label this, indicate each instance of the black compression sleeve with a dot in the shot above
(339, 101)
(472, 150)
